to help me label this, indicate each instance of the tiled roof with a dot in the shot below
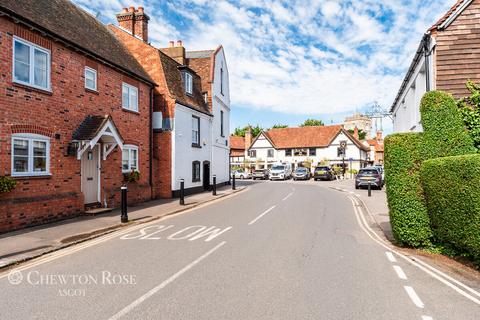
(447, 15)
(376, 144)
(307, 137)
(199, 54)
(74, 25)
(90, 127)
(237, 142)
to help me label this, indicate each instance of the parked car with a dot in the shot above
(261, 174)
(280, 172)
(323, 173)
(241, 174)
(369, 175)
(379, 167)
(301, 174)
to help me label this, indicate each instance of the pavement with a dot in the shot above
(25, 244)
(279, 250)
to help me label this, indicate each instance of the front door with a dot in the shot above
(90, 175)
(206, 175)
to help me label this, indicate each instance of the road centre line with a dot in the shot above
(264, 213)
(288, 196)
(427, 318)
(360, 218)
(390, 256)
(162, 285)
(414, 297)
(400, 272)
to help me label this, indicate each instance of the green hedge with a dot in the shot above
(406, 203)
(444, 130)
(452, 191)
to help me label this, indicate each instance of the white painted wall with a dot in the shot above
(220, 102)
(183, 154)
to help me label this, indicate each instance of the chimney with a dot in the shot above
(248, 137)
(176, 52)
(355, 133)
(135, 22)
(379, 135)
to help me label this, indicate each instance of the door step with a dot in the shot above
(95, 211)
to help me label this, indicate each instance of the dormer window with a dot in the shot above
(188, 83)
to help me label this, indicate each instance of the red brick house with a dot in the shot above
(75, 114)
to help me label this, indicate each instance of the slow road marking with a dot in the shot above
(190, 233)
(162, 285)
(264, 213)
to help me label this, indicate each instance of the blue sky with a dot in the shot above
(292, 60)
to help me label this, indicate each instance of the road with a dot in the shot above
(279, 250)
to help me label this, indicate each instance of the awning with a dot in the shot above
(95, 129)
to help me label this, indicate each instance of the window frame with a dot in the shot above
(88, 69)
(221, 80)
(188, 83)
(310, 154)
(222, 133)
(31, 65)
(130, 88)
(131, 147)
(288, 152)
(253, 153)
(272, 152)
(31, 138)
(196, 144)
(194, 177)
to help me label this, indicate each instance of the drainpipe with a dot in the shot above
(151, 142)
(427, 52)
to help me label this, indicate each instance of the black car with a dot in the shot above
(323, 173)
(301, 173)
(367, 176)
(260, 174)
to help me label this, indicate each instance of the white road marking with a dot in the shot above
(364, 226)
(288, 196)
(400, 272)
(162, 285)
(414, 296)
(427, 318)
(390, 256)
(264, 213)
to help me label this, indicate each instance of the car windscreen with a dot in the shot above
(259, 171)
(368, 171)
(301, 170)
(278, 168)
(321, 169)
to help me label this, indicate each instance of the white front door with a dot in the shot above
(91, 175)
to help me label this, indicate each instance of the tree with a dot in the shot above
(361, 134)
(241, 131)
(280, 126)
(312, 123)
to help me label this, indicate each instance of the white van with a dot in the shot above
(281, 171)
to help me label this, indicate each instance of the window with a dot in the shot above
(31, 64)
(300, 152)
(30, 155)
(195, 171)
(270, 153)
(288, 152)
(340, 152)
(195, 131)
(221, 124)
(90, 78)
(205, 97)
(188, 83)
(129, 158)
(312, 152)
(221, 79)
(129, 97)
(253, 153)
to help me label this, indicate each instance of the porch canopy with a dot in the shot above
(97, 129)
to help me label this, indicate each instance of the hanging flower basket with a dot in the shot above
(7, 184)
(132, 176)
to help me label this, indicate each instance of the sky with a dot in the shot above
(298, 59)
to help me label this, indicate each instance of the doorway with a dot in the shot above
(206, 175)
(90, 173)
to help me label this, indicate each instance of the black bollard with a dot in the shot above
(214, 189)
(182, 192)
(233, 182)
(124, 216)
(369, 189)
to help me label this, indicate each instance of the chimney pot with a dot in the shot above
(140, 9)
(379, 135)
(171, 44)
(125, 10)
(131, 9)
(179, 43)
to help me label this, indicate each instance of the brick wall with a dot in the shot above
(56, 115)
(458, 52)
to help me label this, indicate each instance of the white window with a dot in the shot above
(30, 155)
(129, 158)
(195, 131)
(31, 64)
(188, 83)
(90, 78)
(129, 97)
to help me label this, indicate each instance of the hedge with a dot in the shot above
(406, 203)
(444, 130)
(452, 191)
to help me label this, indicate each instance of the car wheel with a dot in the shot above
(357, 187)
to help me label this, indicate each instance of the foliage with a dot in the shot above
(132, 176)
(353, 171)
(408, 212)
(361, 134)
(312, 123)
(324, 162)
(7, 184)
(241, 131)
(280, 126)
(470, 110)
(452, 191)
(445, 134)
